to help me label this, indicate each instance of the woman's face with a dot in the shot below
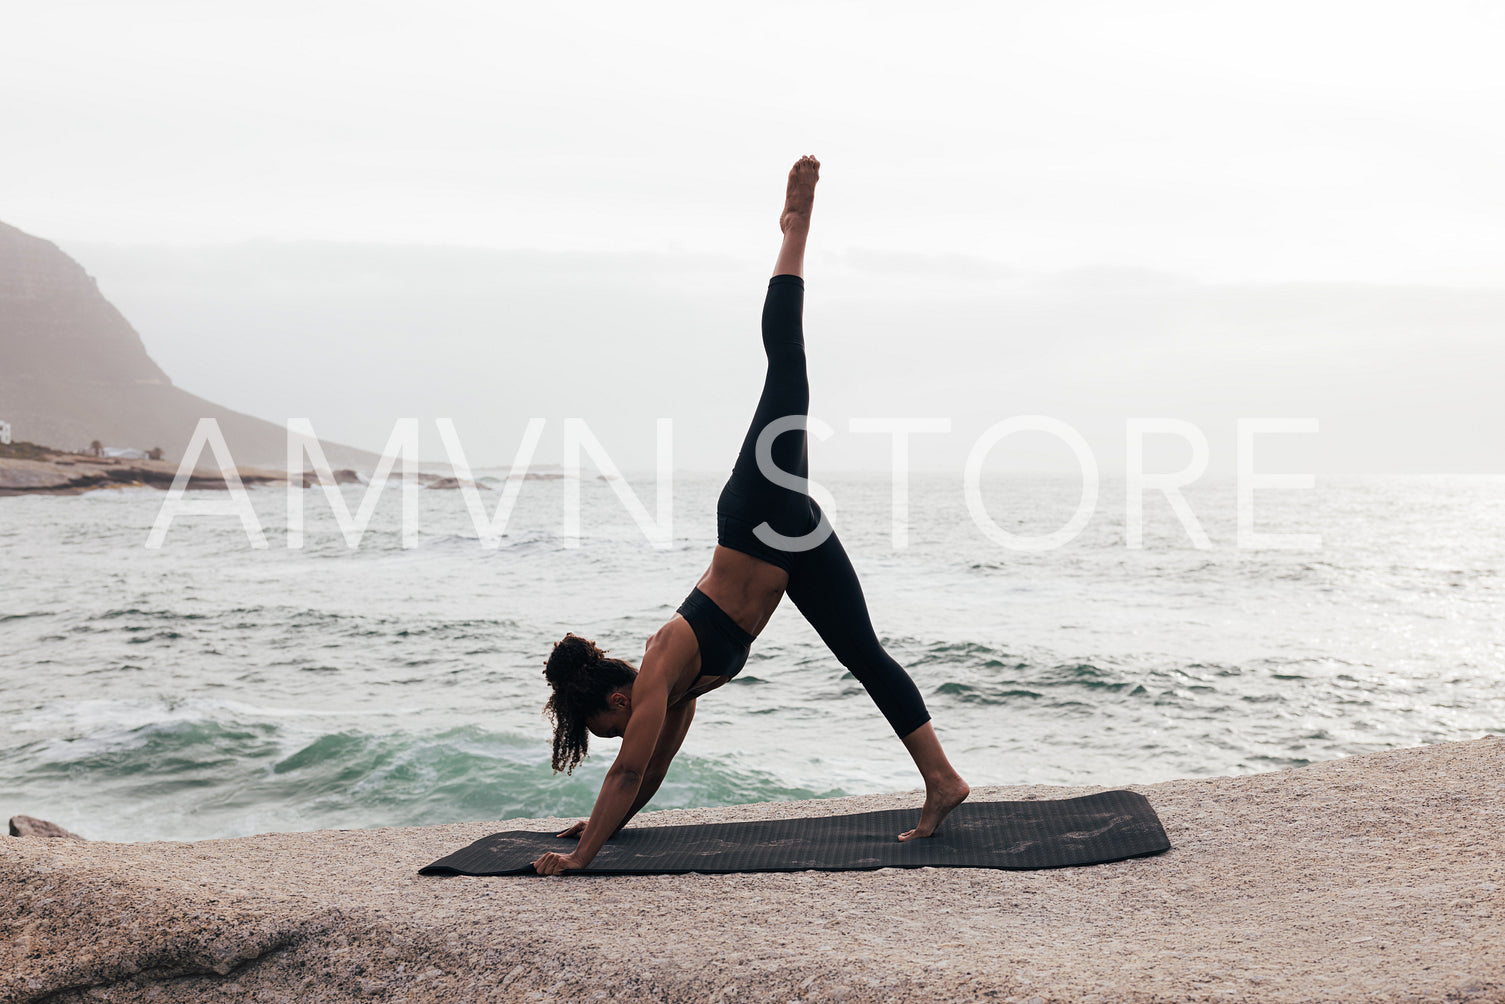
(611, 723)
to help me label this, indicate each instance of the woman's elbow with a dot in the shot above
(625, 777)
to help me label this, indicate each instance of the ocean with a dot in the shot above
(209, 689)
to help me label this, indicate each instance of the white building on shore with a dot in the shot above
(4, 432)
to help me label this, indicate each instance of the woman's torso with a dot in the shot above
(747, 590)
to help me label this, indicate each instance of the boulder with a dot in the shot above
(30, 826)
(451, 484)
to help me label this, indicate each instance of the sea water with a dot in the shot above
(206, 688)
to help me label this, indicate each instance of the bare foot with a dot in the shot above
(940, 798)
(800, 197)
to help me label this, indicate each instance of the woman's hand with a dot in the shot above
(556, 864)
(573, 831)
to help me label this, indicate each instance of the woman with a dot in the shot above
(772, 539)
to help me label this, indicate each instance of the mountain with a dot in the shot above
(73, 370)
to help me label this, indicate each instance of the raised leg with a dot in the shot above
(750, 499)
(799, 199)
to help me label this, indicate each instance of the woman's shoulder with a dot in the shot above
(673, 651)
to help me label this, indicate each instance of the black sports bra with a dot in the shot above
(723, 643)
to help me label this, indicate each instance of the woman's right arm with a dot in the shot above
(668, 653)
(676, 725)
(619, 791)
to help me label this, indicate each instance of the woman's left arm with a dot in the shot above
(676, 724)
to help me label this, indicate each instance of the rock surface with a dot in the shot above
(1375, 878)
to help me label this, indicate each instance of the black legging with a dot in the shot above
(822, 582)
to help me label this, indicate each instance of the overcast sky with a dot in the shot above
(355, 211)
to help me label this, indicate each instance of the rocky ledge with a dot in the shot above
(27, 469)
(1374, 878)
(44, 471)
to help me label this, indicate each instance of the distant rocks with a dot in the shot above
(433, 481)
(311, 479)
(30, 826)
(344, 476)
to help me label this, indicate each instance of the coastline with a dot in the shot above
(58, 473)
(1376, 877)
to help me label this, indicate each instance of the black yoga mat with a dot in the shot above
(1092, 829)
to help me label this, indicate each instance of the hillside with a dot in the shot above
(73, 370)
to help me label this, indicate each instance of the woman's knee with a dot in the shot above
(871, 664)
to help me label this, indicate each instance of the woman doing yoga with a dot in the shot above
(772, 539)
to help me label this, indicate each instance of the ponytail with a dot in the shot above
(583, 679)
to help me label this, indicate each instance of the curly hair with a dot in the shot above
(583, 679)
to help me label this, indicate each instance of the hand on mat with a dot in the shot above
(555, 864)
(573, 831)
